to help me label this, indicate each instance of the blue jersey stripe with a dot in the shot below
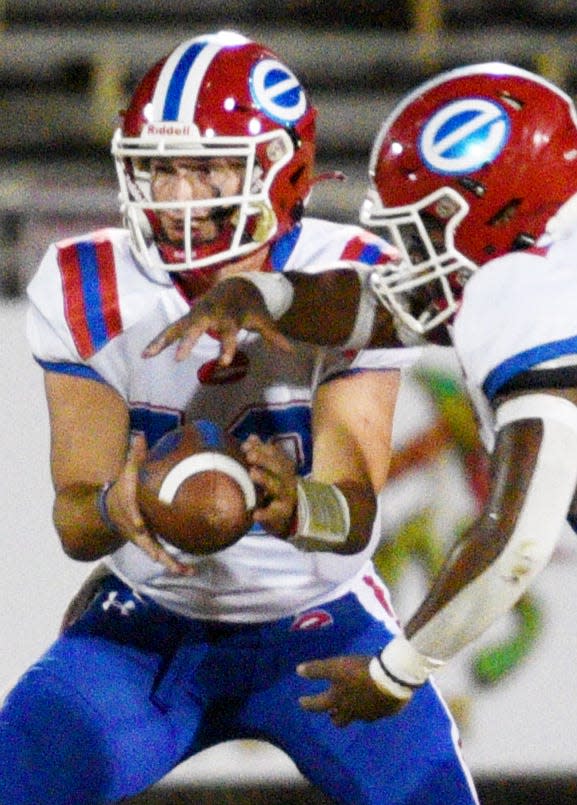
(76, 369)
(526, 360)
(282, 248)
(89, 279)
(211, 433)
(370, 254)
(178, 80)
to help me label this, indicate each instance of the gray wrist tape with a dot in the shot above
(323, 518)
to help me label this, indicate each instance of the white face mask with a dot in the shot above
(211, 214)
(423, 289)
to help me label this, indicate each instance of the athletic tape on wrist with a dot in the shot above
(385, 683)
(323, 518)
(276, 290)
(207, 462)
(400, 669)
(362, 330)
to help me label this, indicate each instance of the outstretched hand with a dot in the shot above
(352, 695)
(232, 305)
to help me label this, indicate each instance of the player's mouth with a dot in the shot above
(201, 231)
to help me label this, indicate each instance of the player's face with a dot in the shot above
(428, 296)
(194, 179)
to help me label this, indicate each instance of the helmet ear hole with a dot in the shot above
(523, 241)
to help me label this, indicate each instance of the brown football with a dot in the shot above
(194, 489)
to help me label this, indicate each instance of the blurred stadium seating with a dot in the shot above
(67, 68)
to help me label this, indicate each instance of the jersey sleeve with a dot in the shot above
(74, 307)
(49, 335)
(516, 318)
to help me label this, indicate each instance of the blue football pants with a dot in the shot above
(131, 690)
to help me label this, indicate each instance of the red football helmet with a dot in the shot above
(469, 166)
(219, 96)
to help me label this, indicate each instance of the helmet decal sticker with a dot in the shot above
(464, 135)
(277, 91)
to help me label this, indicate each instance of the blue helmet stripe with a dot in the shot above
(178, 81)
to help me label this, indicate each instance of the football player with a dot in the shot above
(175, 653)
(473, 177)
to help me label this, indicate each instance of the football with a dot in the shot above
(194, 489)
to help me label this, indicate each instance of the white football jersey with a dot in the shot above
(93, 310)
(519, 313)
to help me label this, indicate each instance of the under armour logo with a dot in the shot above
(112, 602)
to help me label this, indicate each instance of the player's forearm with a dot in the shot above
(362, 505)
(462, 605)
(78, 519)
(317, 297)
(470, 594)
(336, 307)
(533, 480)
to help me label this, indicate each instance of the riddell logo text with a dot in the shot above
(171, 130)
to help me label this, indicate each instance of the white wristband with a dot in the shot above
(386, 684)
(277, 292)
(400, 669)
(323, 517)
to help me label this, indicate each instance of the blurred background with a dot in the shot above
(66, 69)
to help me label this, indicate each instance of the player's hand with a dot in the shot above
(232, 305)
(352, 695)
(273, 472)
(126, 516)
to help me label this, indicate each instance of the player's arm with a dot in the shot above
(352, 426)
(89, 429)
(533, 477)
(335, 307)
(333, 509)
(533, 481)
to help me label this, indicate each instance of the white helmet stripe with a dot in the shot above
(180, 80)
